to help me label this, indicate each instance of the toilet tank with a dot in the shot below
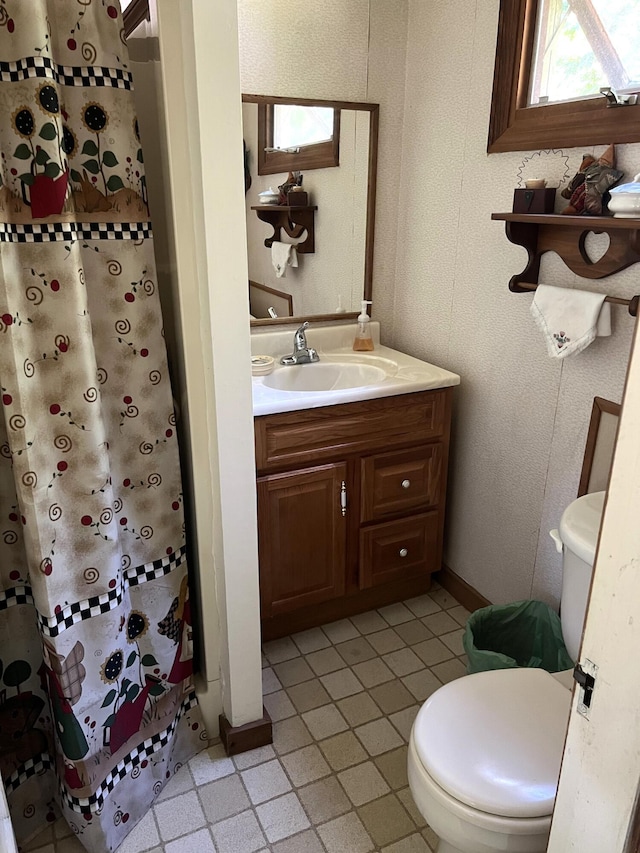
(579, 528)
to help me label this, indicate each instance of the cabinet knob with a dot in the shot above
(403, 552)
(406, 484)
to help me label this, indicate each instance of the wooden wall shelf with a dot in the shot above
(294, 221)
(566, 235)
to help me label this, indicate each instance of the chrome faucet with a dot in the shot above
(302, 352)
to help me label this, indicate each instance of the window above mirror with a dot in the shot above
(296, 137)
(552, 58)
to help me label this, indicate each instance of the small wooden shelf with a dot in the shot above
(566, 235)
(294, 221)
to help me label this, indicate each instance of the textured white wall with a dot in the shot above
(442, 266)
(521, 418)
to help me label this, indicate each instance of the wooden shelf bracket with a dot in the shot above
(293, 220)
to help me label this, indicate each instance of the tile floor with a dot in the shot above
(342, 699)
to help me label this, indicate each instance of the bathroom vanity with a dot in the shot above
(351, 484)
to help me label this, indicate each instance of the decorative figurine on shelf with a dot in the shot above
(294, 179)
(587, 191)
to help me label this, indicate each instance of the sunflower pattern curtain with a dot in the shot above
(97, 708)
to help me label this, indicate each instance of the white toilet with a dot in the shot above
(485, 750)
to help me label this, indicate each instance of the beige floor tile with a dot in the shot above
(393, 766)
(403, 720)
(369, 622)
(378, 736)
(431, 652)
(61, 828)
(325, 721)
(443, 598)
(344, 834)
(363, 783)
(359, 709)
(42, 838)
(440, 623)
(403, 662)
(182, 780)
(265, 781)
(305, 765)
(422, 684)
(223, 798)
(210, 765)
(386, 641)
(293, 672)
(311, 641)
(178, 816)
(324, 661)
(200, 841)
(324, 800)
(289, 735)
(392, 696)
(282, 817)
(307, 841)
(69, 845)
(423, 605)
(407, 801)
(386, 820)
(431, 838)
(279, 706)
(354, 651)
(372, 672)
(341, 631)
(277, 651)
(449, 670)
(454, 641)
(142, 837)
(342, 683)
(343, 750)
(308, 695)
(254, 756)
(460, 614)
(270, 681)
(395, 614)
(241, 832)
(413, 632)
(413, 844)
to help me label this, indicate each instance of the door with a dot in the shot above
(601, 764)
(301, 538)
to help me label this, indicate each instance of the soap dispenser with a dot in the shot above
(363, 342)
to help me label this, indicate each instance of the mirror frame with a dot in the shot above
(374, 116)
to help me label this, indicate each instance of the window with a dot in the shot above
(297, 137)
(552, 58)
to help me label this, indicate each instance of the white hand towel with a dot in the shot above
(282, 256)
(570, 319)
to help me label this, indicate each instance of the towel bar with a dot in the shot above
(632, 303)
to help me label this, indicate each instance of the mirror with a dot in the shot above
(335, 261)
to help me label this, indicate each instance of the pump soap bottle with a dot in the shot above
(363, 342)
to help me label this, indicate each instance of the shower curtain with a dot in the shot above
(97, 708)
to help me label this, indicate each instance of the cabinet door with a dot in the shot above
(302, 538)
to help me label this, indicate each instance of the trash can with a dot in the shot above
(525, 633)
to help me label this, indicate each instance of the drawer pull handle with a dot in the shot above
(406, 484)
(343, 498)
(403, 552)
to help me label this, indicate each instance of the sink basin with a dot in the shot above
(324, 376)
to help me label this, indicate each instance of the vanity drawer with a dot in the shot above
(395, 550)
(293, 439)
(401, 481)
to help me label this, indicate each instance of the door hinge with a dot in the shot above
(585, 675)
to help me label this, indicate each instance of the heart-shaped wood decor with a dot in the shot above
(594, 246)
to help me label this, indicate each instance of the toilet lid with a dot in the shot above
(494, 740)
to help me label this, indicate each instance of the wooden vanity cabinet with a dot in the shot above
(351, 503)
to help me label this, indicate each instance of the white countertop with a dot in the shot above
(404, 374)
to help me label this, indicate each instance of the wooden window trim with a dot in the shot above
(515, 127)
(322, 155)
(135, 13)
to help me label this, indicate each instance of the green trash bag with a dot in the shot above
(525, 633)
